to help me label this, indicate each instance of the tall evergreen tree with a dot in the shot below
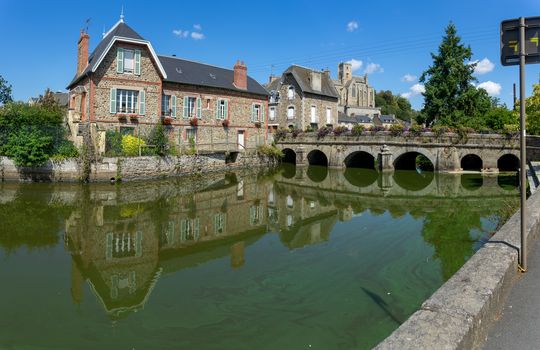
(450, 97)
(5, 91)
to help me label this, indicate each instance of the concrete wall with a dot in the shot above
(128, 168)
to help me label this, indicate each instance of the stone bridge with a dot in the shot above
(446, 153)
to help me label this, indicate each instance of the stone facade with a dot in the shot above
(356, 96)
(93, 91)
(287, 92)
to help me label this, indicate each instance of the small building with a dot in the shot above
(302, 98)
(385, 120)
(356, 96)
(124, 85)
(350, 121)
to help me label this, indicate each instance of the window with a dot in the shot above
(255, 214)
(256, 113)
(313, 114)
(222, 109)
(127, 101)
(354, 91)
(129, 61)
(191, 134)
(290, 112)
(290, 93)
(290, 201)
(189, 230)
(219, 223)
(166, 105)
(123, 245)
(207, 103)
(328, 115)
(189, 106)
(272, 113)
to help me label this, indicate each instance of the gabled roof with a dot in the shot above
(344, 118)
(194, 73)
(119, 32)
(302, 75)
(387, 118)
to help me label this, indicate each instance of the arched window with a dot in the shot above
(354, 91)
(290, 93)
(290, 112)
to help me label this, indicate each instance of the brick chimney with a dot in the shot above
(240, 75)
(82, 52)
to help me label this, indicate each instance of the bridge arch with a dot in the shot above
(471, 162)
(360, 159)
(411, 160)
(508, 162)
(317, 157)
(289, 156)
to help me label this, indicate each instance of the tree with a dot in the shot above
(450, 97)
(392, 104)
(5, 91)
(533, 111)
(48, 101)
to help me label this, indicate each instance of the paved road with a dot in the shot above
(519, 326)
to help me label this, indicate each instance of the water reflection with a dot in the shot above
(122, 240)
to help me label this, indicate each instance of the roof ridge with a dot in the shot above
(300, 66)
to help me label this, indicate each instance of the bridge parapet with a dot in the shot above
(447, 153)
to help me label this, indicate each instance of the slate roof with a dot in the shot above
(343, 118)
(387, 118)
(302, 75)
(194, 73)
(120, 29)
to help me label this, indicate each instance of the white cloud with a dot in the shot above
(181, 33)
(373, 68)
(197, 27)
(414, 90)
(491, 87)
(197, 36)
(409, 78)
(355, 64)
(484, 66)
(352, 26)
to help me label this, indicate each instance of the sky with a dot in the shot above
(390, 40)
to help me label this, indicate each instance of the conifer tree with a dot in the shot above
(451, 98)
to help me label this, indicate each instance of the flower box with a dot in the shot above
(167, 120)
(225, 123)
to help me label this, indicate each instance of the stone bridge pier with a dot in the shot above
(482, 153)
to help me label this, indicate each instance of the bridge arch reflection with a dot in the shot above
(412, 180)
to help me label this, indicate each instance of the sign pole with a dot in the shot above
(522, 143)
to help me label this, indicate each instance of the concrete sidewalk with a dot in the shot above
(519, 325)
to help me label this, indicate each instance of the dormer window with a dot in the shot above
(128, 61)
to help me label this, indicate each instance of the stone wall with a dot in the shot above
(130, 168)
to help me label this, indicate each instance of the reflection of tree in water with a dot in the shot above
(448, 231)
(31, 220)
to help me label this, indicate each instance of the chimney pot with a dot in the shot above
(240, 75)
(82, 51)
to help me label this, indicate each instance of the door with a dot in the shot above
(241, 142)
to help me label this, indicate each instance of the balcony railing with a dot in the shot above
(127, 110)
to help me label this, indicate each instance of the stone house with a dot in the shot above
(350, 121)
(125, 86)
(356, 96)
(302, 98)
(385, 120)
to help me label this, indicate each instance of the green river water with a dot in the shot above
(290, 259)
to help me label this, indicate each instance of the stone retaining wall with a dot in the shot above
(459, 314)
(129, 168)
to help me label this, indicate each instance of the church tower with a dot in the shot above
(344, 72)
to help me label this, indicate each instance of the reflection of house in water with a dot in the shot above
(121, 249)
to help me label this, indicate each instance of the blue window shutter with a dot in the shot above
(173, 106)
(263, 119)
(226, 110)
(120, 60)
(253, 116)
(142, 103)
(186, 110)
(217, 109)
(198, 107)
(137, 62)
(113, 101)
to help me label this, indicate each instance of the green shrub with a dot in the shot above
(440, 130)
(396, 129)
(510, 130)
(159, 140)
(280, 134)
(113, 143)
(270, 151)
(29, 147)
(416, 130)
(130, 145)
(65, 149)
(339, 130)
(357, 129)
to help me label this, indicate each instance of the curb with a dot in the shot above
(459, 314)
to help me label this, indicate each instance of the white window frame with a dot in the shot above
(328, 115)
(166, 109)
(290, 93)
(313, 114)
(289, 116)
(191, 132)
(222, 105)
(192, 107)
(272, 114)
(132, 53)
(256, 117)
(131, 100)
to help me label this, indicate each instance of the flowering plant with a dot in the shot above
(193, 121)
(225, 123)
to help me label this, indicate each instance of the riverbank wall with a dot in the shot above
(130, 168)
(460, 313)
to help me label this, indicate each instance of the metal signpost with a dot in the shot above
(519, 45)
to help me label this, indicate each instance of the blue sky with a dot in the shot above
(391, 38)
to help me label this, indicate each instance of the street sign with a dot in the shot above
(510, 41)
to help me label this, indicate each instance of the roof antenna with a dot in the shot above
(103, 33)
(122, 15)
(87, 23)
